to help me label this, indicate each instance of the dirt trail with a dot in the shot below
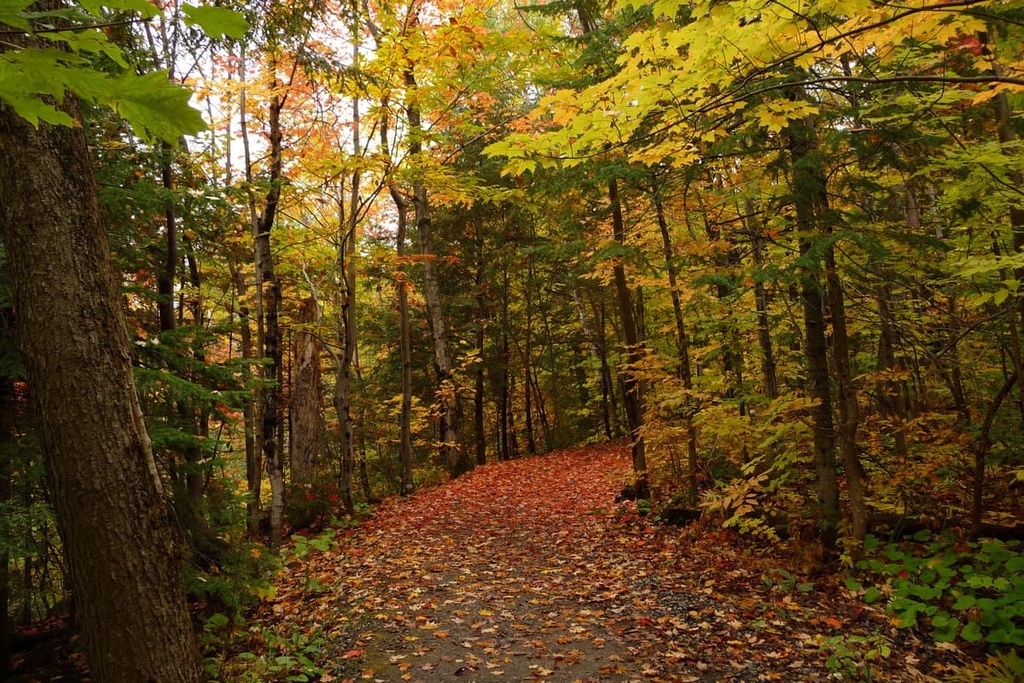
(529, 571)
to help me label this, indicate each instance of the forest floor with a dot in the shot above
(530, 571)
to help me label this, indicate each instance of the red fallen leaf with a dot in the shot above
(352, 654)
(833, 622)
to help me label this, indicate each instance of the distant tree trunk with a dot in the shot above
(981, 447)
(506, 410)
(598, 353)
(251, 407)
(450, 415)
(481, 336)
(168, 272)
(847, 403)
(892, 391)
(769, 370)
(188, 473)
(344, 360)
(809, 199)
(504, 400)
(405, 345)
(683, 348)
(510, 410)
(531, 442)
(348, 338)
(253, 459)
(630, 383)
(121, 545)
(307, 395)
(553, 383)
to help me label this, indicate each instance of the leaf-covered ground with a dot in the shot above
(529, 570)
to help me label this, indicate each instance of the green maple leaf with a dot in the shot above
(153, 104)
(216, 21)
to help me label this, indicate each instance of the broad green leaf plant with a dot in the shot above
(54, 49)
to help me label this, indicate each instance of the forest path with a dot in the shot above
(529, 571)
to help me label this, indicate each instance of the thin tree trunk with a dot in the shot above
(504, 408)
(347, 331)
(890, 391)
(769, 369)
(251, 409)
(613, 424)
(982, 445)
(481, 336)
(632, 396)
(531, 442)
(683, 349)
(847, 404)
(253, 455)
(346, 336)
(269, 297)
(168, 273)
(809, 199)
(453, 451)
(405, 420)
(122, 548)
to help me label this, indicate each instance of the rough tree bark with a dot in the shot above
(122, 547)
(307, 395)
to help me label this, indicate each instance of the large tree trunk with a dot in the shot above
(121, 545)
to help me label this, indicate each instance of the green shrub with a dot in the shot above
(972, 591)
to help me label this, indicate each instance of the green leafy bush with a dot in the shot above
(971, 591)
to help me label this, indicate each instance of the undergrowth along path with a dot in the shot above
(529, 570)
